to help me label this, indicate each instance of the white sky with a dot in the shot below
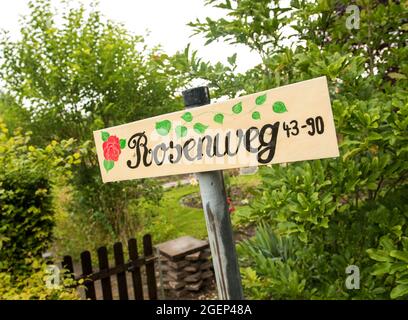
(165, 19)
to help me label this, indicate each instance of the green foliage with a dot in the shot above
(342, 207)
(392, 264)
(336, 209)
(276, 275)
(84, 72)
(14, 116)
(114, 206)
(78, 72)
(73, 233)
(26, 211)
(32, 286)
(294, 47)
(165, 224)
(222, 80)
(160, 227)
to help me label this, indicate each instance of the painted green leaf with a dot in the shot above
(237, 108)
(163, 127)
(181, 131)
(260, 100)
(122, 143)
(105, 135)
(219, 118)
(279, 107)
(200, 128)
(108, 164)
(187, 117)
(256, 115)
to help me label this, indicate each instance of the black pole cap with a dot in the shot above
(195, 97)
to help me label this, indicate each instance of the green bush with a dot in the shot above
(27, 176)
(26, 218)
(275, 275)
(345, 211)
(32, 286)
(26, 211)
(341, 208)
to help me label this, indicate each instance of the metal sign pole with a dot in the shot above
(217, 217)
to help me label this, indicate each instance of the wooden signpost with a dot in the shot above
(286, 124)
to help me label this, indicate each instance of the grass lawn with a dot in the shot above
(170, 220)
(191, 221)
(188, 221)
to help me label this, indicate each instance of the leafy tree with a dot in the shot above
(350, 210)
(13, 115)
(84, 73)
(81, 74)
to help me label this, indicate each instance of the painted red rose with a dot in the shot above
(111, 148)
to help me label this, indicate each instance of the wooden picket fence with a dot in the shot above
(134, 266)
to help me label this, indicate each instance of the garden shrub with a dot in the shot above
(26, 210)
(275, 275)
(341, 208)
(32, 286)
(26, 218)
(346, 211)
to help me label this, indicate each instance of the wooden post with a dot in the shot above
(217, 217)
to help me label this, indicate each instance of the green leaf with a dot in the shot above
(372, 186)
(200, 128)
(400, 255)
(105, 135)
(351, 153)
(302, 200)
(260, 100)
(108, 164)
(381, 268)
(181, 131)
(403, 280)
(279, 107)
(375, 136)
(256, 115)
(163, 127)
(396, 75)
(398, 267)
(187, 117)
(379, 255)
(122, 143)
(387, 243)
(237, 108)
(231, 60)
(219, 118)
(399, 291)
